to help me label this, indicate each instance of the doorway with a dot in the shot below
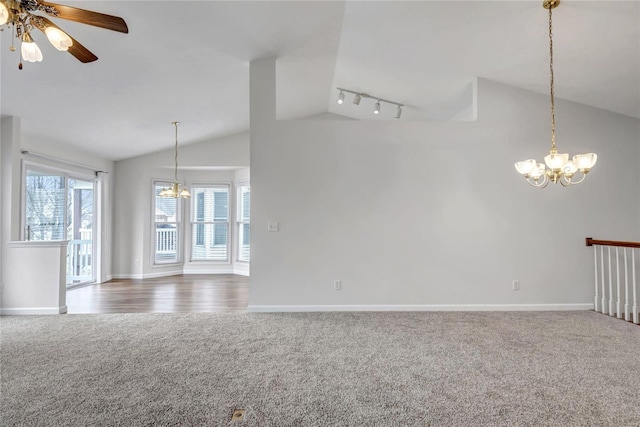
(59, 206)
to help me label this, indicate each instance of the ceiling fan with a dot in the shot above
(25, 15)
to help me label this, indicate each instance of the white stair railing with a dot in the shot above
(609, 299)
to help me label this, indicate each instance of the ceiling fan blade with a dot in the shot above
(81, 53)
(96, 19)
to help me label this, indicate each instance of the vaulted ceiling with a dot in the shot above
(189, 61)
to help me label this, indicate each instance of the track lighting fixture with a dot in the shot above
(377, 107)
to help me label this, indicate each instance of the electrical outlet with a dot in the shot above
(137, 262)
(273, 227)
(515, 285)
(337, 285)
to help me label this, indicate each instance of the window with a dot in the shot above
(244, 211)
(59, 207)
(45, 207)
(210, 223)
(166, 227)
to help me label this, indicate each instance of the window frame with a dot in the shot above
(240, 221)
(193, 222)
(178, 227)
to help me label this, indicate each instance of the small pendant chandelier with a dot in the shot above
(559, 169)
(175, 190)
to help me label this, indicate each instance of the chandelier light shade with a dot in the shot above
(175, 190)
(30, 50)
(557, 167)
(358, 96)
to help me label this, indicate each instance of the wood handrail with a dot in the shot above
(590, 242)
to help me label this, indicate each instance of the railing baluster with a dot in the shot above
(627, 313)
(610, 284)
(595, 263)
(619, 304)
(633, 272)
(604, 298)
(630, 309)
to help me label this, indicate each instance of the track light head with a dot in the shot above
(357, 98)
(399, 112)
(341, 97)
(376, 110)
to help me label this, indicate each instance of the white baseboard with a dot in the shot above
(32, 311)
(126, 276)
(162, 274)
(241, 273)
(146, 276)
(437, 307)
(178, 272)
(226, 270)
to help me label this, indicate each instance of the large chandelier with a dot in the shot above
(175, 190)
(558, 169)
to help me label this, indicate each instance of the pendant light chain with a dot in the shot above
(176, 156)
(553, 107)
(176, 190)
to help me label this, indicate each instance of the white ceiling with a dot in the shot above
(189, 61)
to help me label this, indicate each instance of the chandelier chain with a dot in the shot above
(176, 155)
(553, 107)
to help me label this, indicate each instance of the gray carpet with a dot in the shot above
(321, 369)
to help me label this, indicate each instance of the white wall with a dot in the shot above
(16, 283)
(9, 199)
(426, 213)
(30, 290)
(206, 162)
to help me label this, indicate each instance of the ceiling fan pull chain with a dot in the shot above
(12, 48)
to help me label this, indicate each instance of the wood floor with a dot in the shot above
(190, 293)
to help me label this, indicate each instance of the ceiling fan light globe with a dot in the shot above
(31, 52)
(58, 38)
(4, 14)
